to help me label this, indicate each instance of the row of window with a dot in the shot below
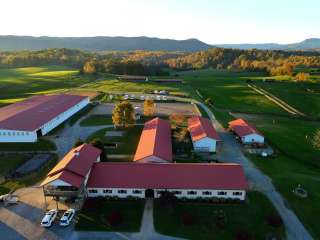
(205, 193)
(14, 133)
(120, 191)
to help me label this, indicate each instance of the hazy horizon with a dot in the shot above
(213, 22)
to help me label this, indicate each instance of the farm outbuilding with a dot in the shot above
(246, 133)
(185, 180)
(204, 137)
(69, 177)
(155, 142)
(27, 120)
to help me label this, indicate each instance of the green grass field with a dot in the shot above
(127, 143)
(296, 161)
(19, 83)
(96, 218)
(250, 216)
(305, 97)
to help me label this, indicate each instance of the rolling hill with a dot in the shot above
(13, 43)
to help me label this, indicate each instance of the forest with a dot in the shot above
(140, 62)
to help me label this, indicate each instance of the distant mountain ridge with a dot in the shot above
(15, 43)
(308, 44)
(10, 43)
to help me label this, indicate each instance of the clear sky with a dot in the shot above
(212, 21)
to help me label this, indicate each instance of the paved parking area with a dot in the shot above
(161, 108)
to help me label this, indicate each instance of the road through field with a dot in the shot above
(232, 152)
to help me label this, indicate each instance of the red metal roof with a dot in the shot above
(200, 127)
(155, 140)
(34, 112)
(242, 128)
(75, 165)
(167, 176)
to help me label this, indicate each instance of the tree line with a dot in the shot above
(273, 62)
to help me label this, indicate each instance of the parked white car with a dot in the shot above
(67, 217)
(158, 98)
(49, 217)
(142, 97)
(126, 97)
(9, 199)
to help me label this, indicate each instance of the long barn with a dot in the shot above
(34, 117)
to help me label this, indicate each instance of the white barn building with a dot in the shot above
(190, 181)
(69, 177)
(27, 120)
(246, 133)
(204, 137)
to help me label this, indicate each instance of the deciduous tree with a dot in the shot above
(123, 114)
(316, 140)
(148, 108)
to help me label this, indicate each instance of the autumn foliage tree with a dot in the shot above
(90, 67)
(148, 108)
(123, 114)
(177, 119)
(302, 77)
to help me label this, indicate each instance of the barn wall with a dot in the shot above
(63, 116)
(180, 193)
(252, 138)
(17, 136)
(205, 145)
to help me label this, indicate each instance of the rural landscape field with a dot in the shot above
(159, 120)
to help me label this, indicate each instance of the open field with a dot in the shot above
(94, 216)
(296, 161)
(305, 97)
(250, 217)
(19, 83)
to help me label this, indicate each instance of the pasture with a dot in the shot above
(19, 83)
(296, 162)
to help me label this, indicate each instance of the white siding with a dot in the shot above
(31, 136)
(53, 123)
(17, 136)
(116, 192)
(252, 138)
(152, 159)
(205, 145)
(183, 193)
(58, 183)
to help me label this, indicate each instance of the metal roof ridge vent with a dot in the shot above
(76, 152)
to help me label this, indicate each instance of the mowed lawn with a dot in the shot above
(127, 143)
(296, 162)
(305, 97)
(250, 217)
(96, 214)
(19, 83)
(109, 83)
(229, 91)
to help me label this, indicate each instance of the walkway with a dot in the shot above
(232, 152)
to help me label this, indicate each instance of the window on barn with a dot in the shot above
(221, 193)
(207, 193)
(237, 193)
(93, 191)
(192, 192)
(107, 191)
(137, 191)
(122, 191)
(177, 192)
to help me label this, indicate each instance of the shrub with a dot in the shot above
(188, 219)
(242, 235)
(115, 219)
(274, 220)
